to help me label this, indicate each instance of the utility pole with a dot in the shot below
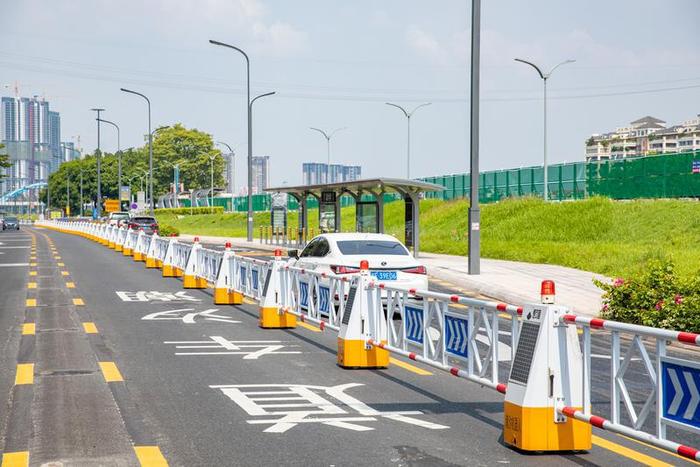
(98, 206)
(474, 210)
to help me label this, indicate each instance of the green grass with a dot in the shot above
(616, 238)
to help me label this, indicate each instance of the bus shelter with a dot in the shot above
(369, 199)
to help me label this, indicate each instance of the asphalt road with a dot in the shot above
(128, 358)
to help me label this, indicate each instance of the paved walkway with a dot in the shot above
(509, 281)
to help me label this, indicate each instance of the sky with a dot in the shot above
(335, 63)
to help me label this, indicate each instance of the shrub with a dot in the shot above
(192, 211)
(167, 231)
(656, 297)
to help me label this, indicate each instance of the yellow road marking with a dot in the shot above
(409, 367)
(110, 372)
(64, 273)
(255, 253)
(78, 301)
(31, 302)
(61, 264)
(57, 257)
(28, 329)
(662, 450)
(32, 273)
(32, 258)
(70, 285)
(248, 301)
(150, 456)
(90, 328)
(504, 315)
(459, 305)
(25, 374)
(308, 326)
(32, 264)
(627, 452)
(31, 285)
(15, 459)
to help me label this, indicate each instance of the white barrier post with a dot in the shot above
(119, 244)
(151, 253)
(546, 375)
(353, 349)
(138, 253)
(224, 294)
(271, 314)
(112, 231)
(169, 269)
(190, 279)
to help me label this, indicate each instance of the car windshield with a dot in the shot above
(119, 215)
(10, 219)
(143, 220)
(371, 247)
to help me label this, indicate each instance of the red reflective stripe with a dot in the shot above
(688, 337)
(380, 345)
(501, 307)
(412, 356)
(500, 387)
(322, 325)
(597, 323)
(568, 411)
(381, 286)
(454, 371)
(520, 310)
(301, 317)
(412, 291)
(570, 318)
(454, 298)
(597, 421)
(687, 451)
(323, 274)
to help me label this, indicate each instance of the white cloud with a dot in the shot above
(426, 45)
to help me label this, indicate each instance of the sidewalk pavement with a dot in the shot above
(508, 281)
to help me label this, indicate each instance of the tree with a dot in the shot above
(4, 161)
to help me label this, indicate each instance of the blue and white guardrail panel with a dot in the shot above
(413, 324)
(324, 299)
(680, 392)
(456, 335)
(303, 295)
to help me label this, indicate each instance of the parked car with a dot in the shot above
(340, 253)
(118, 218)
(148, 224)
(10, 223)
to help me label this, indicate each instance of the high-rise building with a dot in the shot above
(69, 152)
(261, 173)
(32, 138)
(315, 173)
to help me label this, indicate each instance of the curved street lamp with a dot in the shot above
(328, 137)
(408, 138)
(150, 145)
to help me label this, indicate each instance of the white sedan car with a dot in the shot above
(341, 253)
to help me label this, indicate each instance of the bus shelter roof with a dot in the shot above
(356, 187)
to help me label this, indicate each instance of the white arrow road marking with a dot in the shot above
(676, 402)
(694, 396)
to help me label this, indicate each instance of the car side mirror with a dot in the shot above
(293, 254)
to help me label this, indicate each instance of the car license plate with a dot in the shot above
(384, 275)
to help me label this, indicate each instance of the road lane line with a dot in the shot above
(61, 264)
(31, 273)
(409, 367)
(28, 329)
(659, 449)
(65, 273)
(150, 456)
(31, 302)
(249, 301)
(627, 452)
(15, 459)
(25, 374)
(70, 285)
(90, 328)
(78, 302)
(308, 326)
(12, 265)
(110, 372)
(31, 285)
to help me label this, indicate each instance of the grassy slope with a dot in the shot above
(610, 237)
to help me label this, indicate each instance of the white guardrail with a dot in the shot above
(532, 354)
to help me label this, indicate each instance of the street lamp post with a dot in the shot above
(250, 137)
(231, 173)
(474, 266)
(328, 137)
(98, 206)
(211, 192)
(545, 77)
(81, 192)
(119, 158)
(150, 145)
(408, 138)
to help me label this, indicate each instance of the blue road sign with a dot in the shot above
(456, 335)
(324, 299)
(414, 324)
(680, 386)
(303, 295)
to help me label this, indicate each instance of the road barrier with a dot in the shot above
(548, 386)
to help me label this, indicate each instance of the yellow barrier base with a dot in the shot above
(223, 297)
(170, 271)
(159, 264)
(533, 429)
(118, 248)
(139, 256)
(150, 263)
(270, 318)
(192, 282)
(127, 252)
(354, 354)
(111, 245)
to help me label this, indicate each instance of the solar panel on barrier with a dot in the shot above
(525, 351)
(456, 335)
(348, 304)
(267, 281)
(413, 322)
